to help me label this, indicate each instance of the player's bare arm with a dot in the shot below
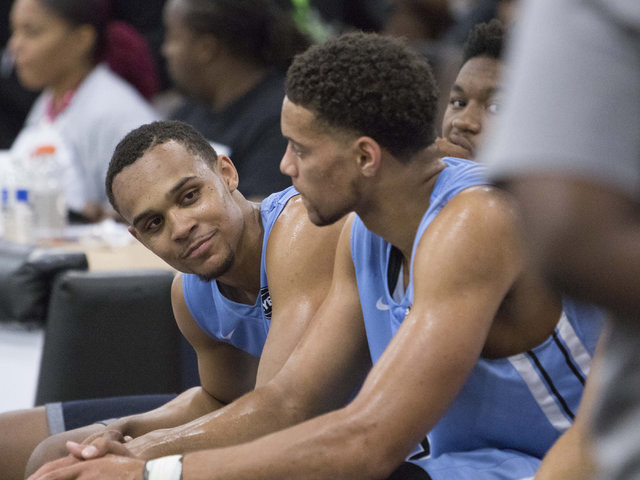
(320, 375)
(225, 374)
(299, 258)
(323, 372)
(451, 319)
(461, 275)
(300, 264)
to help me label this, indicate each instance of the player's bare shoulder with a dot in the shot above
(529, 311)
(486, 198)
(293, 230)
(484, 208)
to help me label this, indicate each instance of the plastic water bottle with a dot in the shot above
(17, 209)
(22, 217)
(49, 208)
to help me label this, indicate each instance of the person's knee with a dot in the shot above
(54, 447)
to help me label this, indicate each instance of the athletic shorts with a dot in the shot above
(483, 464)
(64, 416)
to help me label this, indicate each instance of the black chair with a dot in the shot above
(27, 274)
(110, 334)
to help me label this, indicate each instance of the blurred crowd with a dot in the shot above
(217, 65)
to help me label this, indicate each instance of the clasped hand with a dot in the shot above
(103, 455)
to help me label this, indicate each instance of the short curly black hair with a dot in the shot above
(484, 40)
(368, 84)
(138, 141)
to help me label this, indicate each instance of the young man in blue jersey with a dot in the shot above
(253, 275)
(475, 96)
(432, 304)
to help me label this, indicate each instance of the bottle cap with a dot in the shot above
(22, 195)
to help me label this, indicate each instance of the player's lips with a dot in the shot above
(462, 141)
(198, 246)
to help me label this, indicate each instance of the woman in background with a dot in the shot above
(71, 50)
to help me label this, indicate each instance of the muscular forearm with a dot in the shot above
(186, 407)
(330, 446)
(261, 412)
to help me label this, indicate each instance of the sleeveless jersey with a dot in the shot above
(243, 326)
(520, 403)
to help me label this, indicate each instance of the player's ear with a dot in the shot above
(228, 172)
(369, 156)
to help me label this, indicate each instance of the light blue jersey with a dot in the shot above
(510, 410)
(243, 326)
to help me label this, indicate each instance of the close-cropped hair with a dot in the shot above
(134, 145)
(258, 30)
(484, 40)
(368, 84)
